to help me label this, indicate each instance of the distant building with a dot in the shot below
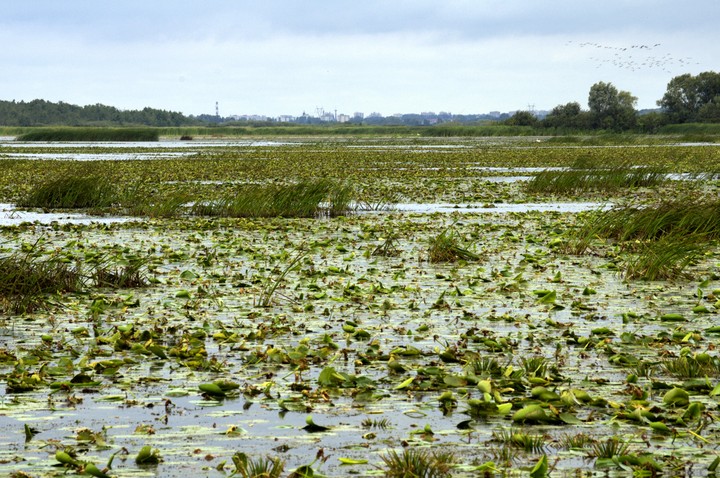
(343, 118)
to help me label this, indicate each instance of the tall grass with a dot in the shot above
(304, 199)
(681, 216)
(583, 178)
(26, 281)
(90, 134)
(71, 191)
(663, 240)
(412, 463)
(446, 247)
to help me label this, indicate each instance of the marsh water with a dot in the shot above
(346, 323)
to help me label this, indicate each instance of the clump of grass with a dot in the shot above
(265, 467)
(585, 177)
(666, 258)
(687, 367)
(129, 274)
(388, 248)
(71, 191)
(91, 134)
(304, 199)
(667, 238)
(374, 423)
(26, 281)
(577, 441)
(418, 464)
(535, 366)
(485, 367)
(171, 205)
(681, 216)
(612, 447)
(529, 443)
(446, 247)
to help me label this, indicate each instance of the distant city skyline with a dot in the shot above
(280, 57)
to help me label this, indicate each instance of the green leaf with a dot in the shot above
(541, 468)
(312, 427)
(351, 461)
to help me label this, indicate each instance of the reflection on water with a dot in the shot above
(497, 208)
(9, 216)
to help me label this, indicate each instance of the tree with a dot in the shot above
(610, 108)
(522, 118)
(569, 115)
(686, 95)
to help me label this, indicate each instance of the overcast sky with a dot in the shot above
(279, 57)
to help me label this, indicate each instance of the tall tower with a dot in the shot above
(217, 110)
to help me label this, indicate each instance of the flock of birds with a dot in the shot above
(634, 57)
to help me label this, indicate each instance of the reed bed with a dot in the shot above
(447, 247)
(663, 240)
(304, 199)
(26, 281)
(91, 134)
(583, 179)
(71, 191)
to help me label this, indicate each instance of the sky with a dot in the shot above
(286, 57)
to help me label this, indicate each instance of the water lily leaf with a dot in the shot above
(93, 470)
(673, 317)
(660, 427)
(570, 419)
(212, 389)
(65, 458)
(530, 414)
(312, 427)
(351, 461)
(147, 456)
(676, 397)
(188, 275)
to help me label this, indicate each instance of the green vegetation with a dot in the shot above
(71, 191)
(579, 179)
(304, 199)
(27, 281)
(286, 337)
(90, 134)
(418, 463)
(247, 467)
(446, 247)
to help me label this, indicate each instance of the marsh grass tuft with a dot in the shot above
(304, 199)
(71, 191)
(666, 258)
(266, 467)
(126, 274)
(446, 247)
(612, 447)
(665, 238)
(26, 281)
(517, 438)
(90, 134)
(577, 441)
(687, 367)
(584, 177)
(418, 464)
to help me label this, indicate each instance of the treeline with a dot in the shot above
(688, 99)
(46, 113)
